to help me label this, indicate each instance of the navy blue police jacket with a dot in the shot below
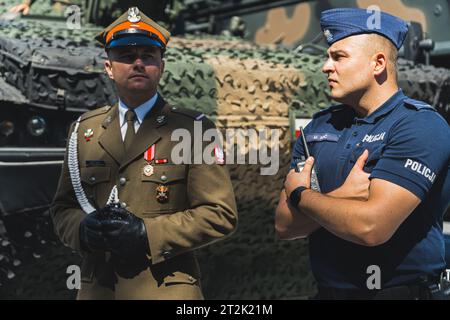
(409, 145)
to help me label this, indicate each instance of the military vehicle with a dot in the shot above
(51, 72)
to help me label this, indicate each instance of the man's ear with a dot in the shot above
(108, 69)
(380, 63)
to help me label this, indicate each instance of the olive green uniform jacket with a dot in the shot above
(201, 208)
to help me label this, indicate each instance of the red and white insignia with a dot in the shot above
(219, 156)
(161, 161)
(149, 155)
(88, 134)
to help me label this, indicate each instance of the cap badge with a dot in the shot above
(327, 33)
(133, 15)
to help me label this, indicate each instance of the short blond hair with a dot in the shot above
(377, 43)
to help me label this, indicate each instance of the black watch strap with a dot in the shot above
(295, 196)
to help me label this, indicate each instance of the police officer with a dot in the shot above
(383, 161)
(135, 214)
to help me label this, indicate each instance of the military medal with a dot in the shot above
(88, 134)
(162, 193)
(149, 155)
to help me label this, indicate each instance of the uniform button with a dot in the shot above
(358, 144)
(355, 134)
(123, 205)
(123, 181)
(92, 179)
(166, 254)
(163, 178)
(191, 278)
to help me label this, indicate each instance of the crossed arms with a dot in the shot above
(363, 211)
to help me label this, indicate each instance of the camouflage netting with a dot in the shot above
(239, 86)
(427, 83)
(51, 34)
(6, 4)
(32, 262)
(41, 7)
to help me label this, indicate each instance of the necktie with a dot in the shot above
(130, 117)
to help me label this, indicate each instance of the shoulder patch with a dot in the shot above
(95, 112)
(418, 105)
(194, 114)
(331, 109)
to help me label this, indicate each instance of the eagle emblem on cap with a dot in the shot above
(133, 15)
(327, 33)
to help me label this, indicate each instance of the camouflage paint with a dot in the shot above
(279, 28)
(299, 23)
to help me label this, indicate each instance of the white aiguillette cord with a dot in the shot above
(74, 171)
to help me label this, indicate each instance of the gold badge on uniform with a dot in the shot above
(88, 134)
(162, 193)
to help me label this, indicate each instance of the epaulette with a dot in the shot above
(194, 114)
(418, 105)
(331, 109)
(95, 112)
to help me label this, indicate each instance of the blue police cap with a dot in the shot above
(340, 23)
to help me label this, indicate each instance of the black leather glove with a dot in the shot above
(91, 235)
(125, 234)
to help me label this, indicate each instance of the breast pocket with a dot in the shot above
(95, 182)
(165, 190)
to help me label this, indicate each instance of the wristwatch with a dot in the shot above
(295, 196)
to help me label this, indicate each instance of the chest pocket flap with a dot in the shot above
(166, 174)
(94, 175)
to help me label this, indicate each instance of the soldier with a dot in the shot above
(383, 166)
(144, 247)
